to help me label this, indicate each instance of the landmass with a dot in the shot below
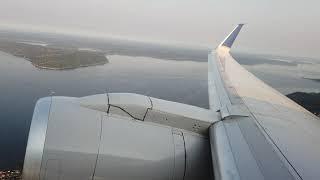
(312, 79)
(55, 58)
(310, 101)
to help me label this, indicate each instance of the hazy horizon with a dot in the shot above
(279, 27)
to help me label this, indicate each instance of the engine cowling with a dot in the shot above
(71, 141)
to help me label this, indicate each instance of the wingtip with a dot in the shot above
(229, 40)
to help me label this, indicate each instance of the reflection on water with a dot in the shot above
(34, 43)
(176, 80)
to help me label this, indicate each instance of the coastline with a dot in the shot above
(65, 68)
(55, 68)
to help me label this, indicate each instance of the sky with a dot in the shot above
(284, 27)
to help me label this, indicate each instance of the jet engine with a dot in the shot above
(112, 136)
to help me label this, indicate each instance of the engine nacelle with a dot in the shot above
(71, 141)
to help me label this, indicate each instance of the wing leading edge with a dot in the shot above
(267, 132)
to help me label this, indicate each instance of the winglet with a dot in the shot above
(228, 41)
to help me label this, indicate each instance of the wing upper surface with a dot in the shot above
(290, 129)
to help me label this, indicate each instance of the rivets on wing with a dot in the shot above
(196, 127)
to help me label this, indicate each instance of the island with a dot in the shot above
(310, 101)
(54, 58)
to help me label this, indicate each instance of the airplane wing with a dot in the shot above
(250, 132)
(262, 134)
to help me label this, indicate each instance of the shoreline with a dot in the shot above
(54, 68)
(65, 68)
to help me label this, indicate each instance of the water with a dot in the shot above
(286, 74)
(22, 84)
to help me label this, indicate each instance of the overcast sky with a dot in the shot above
(273, 26)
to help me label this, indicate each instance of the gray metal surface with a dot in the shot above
(240, 151)
(224, 164)
(99, 102)
(72, 140)
(83, 139)
(181, 116)
(151, 109)
(266, 155)
(179, 155)
(36, 139)
(198, 161)
(132, 149)
(128, 104)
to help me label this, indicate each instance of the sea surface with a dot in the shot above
(185, 81)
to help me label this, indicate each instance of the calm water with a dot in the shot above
(21, 84)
